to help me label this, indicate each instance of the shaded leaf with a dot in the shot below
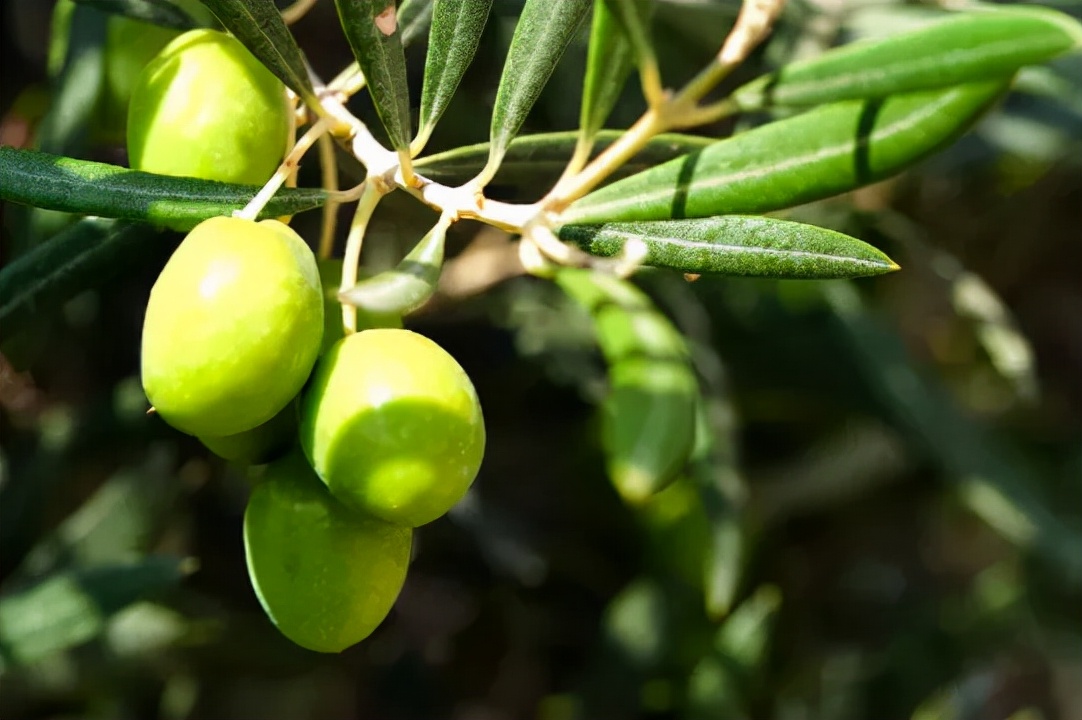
(61, 183)
(543, 32)
(70, 608)
(414, 17)
(79, 86)
(632, 16)
(738, 245)
(823, 152)
(85, 255)
(534, 157)
(608, 64)
(456, 31)
(374, 34)
(962, 48)
(259, 26)
(156, 12)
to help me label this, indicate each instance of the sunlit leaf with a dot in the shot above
(823, 152)
(738, 245)
(409, 285)
(608, 64)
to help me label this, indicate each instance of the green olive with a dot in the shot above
(206, 108)
(392, 424)
(233, 326)
(326, 576)
(261, 444)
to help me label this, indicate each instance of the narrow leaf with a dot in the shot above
(456, 31)
(738, 245)
(609, 61)
(982, 45)
(156, 12)
(79, 86)
(414, 16)
(85, 255)
(61, 183)
(632, 16)
(409, 285)
(535, 158)
(543, 33)
(259, 25)
(70, 608)
(373, 32)
(648, 415)
(824, 152)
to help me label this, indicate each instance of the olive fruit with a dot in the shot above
(326, 576)
(233, 326)
(391, 423)
(261, 444)
(206, 108)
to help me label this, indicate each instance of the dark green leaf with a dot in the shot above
(70, 608)
(373, 32)
(738, 245)
(608, 64)
(543, 33)
(85, 255)
(456, 30)
(534, 158)
(407, 287)
(633, 17)
(156, 12)
(962, 48)
(90, 188)
(259, 25)
(80, 85)
(823, 152)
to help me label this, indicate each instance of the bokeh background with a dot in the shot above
(894, 516)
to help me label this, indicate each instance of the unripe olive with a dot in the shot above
(392, 424)
(325, 575)
(233, 326)
(206, 108)
(261, 444)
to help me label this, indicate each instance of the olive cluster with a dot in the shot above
(365, 435)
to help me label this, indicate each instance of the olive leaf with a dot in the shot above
(456, 31)
(71, 607)
(373, 32)
(259, 26)
(648, 415)
(156, 12)
(959, 49)
(409, 285)
(608, 65)
(823, 152)
(55, 182)
(414, 17)
(79, 85)
(544, 30)
(84, 255)
(533, 158)
(632, 16)
(738, 245)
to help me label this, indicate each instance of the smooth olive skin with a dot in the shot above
(233, 326)
(392, 424)
(326, 576)
(206, 108)
(262, 444)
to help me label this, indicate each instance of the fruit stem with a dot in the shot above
(371, 195)
(328, 164)
(252, 210)
(297, 10)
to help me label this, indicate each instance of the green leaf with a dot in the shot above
(156, 12)
(962, 48)
(632, 16)
(532, 158)
(56, 182)
(373, 32)
(259, 25)
(456, 31)
(407, 287)
(544, 30)
(608, 63)
(823, 152)
(648, 415)
(79, 86)
(414, 17)
(738, 245)
(70, 608)
(85, 255)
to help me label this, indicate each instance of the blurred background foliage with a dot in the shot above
(884, 519)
